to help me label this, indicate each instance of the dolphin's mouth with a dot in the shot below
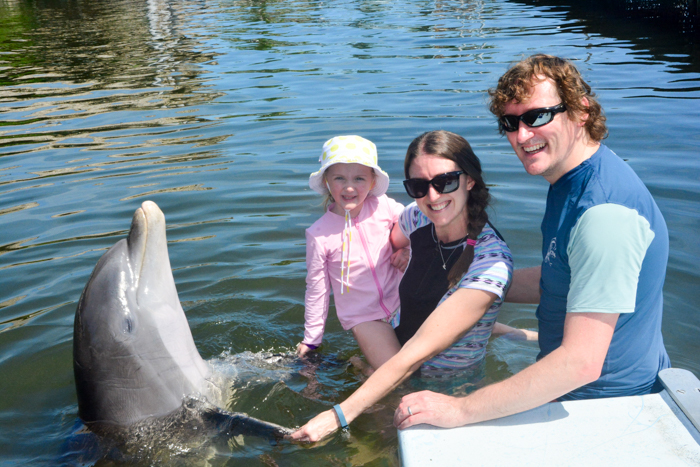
(148, 251)
(138, 236)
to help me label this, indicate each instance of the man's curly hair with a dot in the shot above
(517, 83)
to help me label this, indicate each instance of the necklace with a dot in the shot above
(439, 247)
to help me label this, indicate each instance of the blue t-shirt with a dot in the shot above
(605, 250)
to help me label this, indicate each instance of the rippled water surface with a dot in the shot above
(217, 110)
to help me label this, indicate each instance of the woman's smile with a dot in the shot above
(447, 211)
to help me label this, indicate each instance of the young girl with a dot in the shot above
(348, 250)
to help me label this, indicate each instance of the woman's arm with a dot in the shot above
(447, 324)
(397, 238)
(400, 243)
(577, 361)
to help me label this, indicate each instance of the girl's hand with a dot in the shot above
(303, 349)
(317, 428)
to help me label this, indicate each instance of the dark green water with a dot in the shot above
(217, 110)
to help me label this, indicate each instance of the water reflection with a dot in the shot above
(160, 20)
(674, 41)
(83, 61)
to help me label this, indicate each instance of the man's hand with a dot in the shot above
(578, 361)
(429, 407)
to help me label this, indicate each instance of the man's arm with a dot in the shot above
(578, 361)
(525, 287)
(516, 334)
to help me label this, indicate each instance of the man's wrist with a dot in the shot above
(465, 410)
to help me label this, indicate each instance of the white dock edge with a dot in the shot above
(650, 430)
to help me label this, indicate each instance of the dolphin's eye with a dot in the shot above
(128, 325)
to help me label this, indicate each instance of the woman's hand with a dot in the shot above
(428, 407)
(317, 428)
(303, 349)
(399, 259)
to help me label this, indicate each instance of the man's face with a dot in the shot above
(550, 150)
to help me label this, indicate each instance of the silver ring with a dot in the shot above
(409, 410)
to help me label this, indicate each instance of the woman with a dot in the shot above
(455, 282)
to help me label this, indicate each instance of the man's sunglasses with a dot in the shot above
(445, 183)
(532, 118)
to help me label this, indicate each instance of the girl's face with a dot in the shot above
(447, 211)
(349, 185)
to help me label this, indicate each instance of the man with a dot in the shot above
(605, 249)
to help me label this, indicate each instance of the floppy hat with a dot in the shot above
(349, 150)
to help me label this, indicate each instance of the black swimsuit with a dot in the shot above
(425, 281)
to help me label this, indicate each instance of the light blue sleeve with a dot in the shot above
(411, 219)
(606, 250)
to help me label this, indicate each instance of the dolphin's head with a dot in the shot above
(133, 352)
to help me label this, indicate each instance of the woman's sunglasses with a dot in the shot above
(445, 183)
(532, 118)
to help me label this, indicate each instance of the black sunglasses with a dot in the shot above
(445, 183)
(532, 118)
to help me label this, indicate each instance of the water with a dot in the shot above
(217, 110)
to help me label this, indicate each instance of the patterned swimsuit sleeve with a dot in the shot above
(412, 219)
(492, 267)
(490, 271)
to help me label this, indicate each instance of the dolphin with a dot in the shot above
(134, 357)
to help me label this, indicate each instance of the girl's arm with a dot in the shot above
(317, 297)
(447, 324)
(303, 349)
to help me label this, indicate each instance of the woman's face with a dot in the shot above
(447, 211)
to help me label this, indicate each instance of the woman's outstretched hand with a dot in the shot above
(428, 407)
(317, 428)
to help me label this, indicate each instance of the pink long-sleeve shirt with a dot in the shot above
(374, 282)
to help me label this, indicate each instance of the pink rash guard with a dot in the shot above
(374, 282)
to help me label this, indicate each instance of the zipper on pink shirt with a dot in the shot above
(371, 267)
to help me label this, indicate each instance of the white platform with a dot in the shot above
(637, 431)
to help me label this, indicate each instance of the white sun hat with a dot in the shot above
(349, 150)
